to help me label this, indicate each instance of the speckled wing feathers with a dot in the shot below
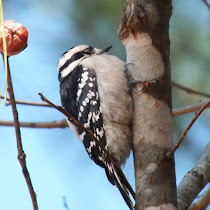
(89, 114)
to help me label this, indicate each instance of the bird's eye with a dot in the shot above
(89, 50)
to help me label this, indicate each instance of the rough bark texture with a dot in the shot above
(145, 33)
(194, 181)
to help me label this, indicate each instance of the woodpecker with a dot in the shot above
(94, 90)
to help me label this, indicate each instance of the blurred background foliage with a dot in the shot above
(56, 160)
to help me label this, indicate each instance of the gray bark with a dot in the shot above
(194, 181)
(145, 33)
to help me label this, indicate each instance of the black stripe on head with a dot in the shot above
(67, 51)
(85, 52)
(76, 56)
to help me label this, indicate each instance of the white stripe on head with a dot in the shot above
(65, 72)
(69, 54)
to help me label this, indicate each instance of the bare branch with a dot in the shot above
(175, 112)
(170, 154)
(26, 102)
(21, 154)
(202, 203)
(189, 90)
(194, 181)
(53, 124)
(63, 123)
(109, 157)
(65, 203)
(188, 109)
(206, 3)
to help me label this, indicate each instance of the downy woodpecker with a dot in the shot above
(94, 90)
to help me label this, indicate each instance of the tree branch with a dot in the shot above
(175, 112)
(189, 90)
(63, 123)
(26, 102)
(194, 181)
(21, 154)
(170, 154)
(53, 124)
(202, 203)
(188, 109)
(144, 31)
(65, 204)
(206, 3)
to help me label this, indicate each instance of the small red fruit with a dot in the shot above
(16, 37)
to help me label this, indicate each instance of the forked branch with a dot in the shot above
(197, 114)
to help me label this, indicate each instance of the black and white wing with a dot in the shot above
(90, 114)
(80, 97)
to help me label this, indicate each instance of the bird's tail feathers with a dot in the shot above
(115, 179)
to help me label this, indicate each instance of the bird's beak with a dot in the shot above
(105, 50)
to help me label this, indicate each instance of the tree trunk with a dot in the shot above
(144, 31)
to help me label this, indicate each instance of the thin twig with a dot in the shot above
(175, 112)
(53, 124)
(189, 90)
(188, 109)
(170, 154)
(63, 123)
(26, 102)
(65, 203)
(207, 4)
(98, 143)
(202, 203)
(21, 154)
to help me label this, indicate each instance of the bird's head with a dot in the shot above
(76, 54)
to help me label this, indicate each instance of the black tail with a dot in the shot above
(116, 179)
